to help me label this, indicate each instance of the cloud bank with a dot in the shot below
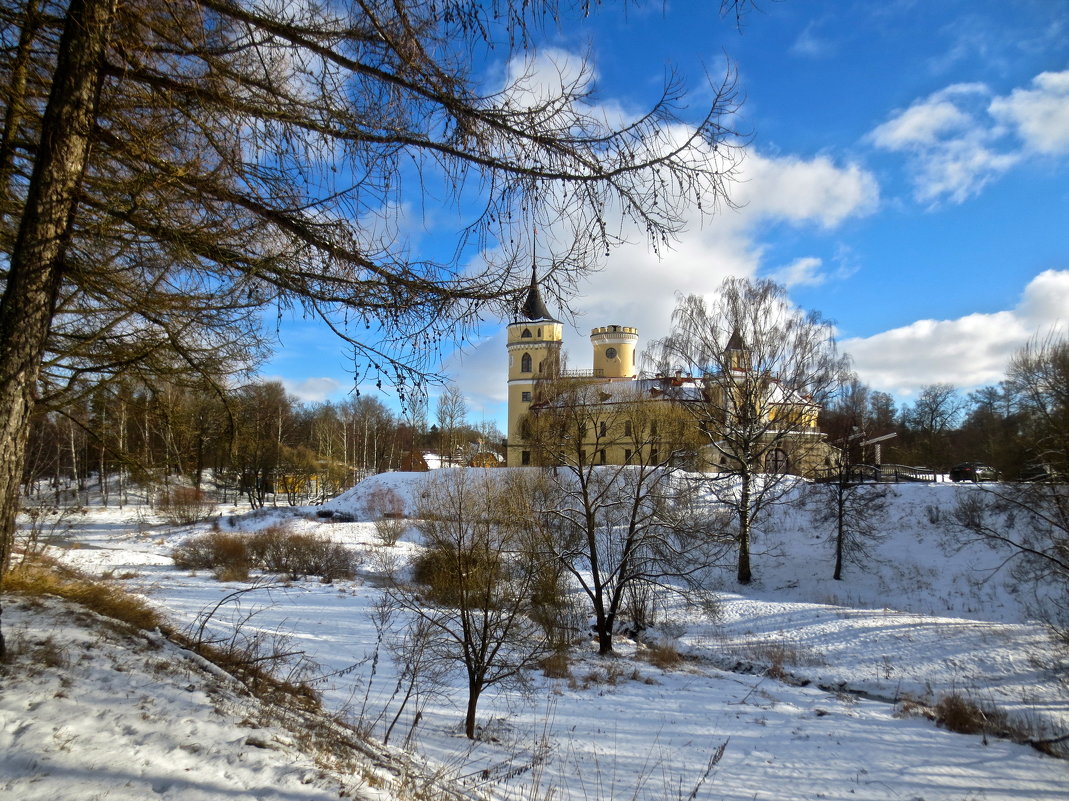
(969, 351)
(638, 288)
(962, 137)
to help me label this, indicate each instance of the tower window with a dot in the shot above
(525, 397)
(526, 334)
(601, 428)
(525, 363)
(627, 428)
(525, 457)
(610, 353)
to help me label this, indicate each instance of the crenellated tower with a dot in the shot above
(615, 356)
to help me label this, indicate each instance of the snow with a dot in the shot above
(132, 717)
(925, 618)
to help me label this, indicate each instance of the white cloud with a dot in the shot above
(811, 45)
(1041, 114)
(927, 121)
(637, 288)
(801, 272)
(960, 138)
(309, 390)
(968, 351)
(805, 191)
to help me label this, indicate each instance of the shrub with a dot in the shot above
(385, 502)
(388, 530)
(448, 572)
(388, 511)
(214, 551)
(302, 554)
(182, 506)
(274, 549)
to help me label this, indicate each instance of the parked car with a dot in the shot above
(973, 471)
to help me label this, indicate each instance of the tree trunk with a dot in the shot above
(744, 576)
(474, 691)
(604, 625)
(36, 265)
(16, 107)
(839, 533)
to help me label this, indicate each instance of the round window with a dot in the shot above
(610, 353)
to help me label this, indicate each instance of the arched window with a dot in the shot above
(526, 334)
(777, 461)
(525, 363)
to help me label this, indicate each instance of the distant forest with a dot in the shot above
(259, 442)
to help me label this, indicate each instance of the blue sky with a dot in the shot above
(907, 175)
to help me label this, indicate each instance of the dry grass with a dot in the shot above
(663, 655)
(558, 665)
(777, 656)
(611, 674)
(957, 713)
(45, 576)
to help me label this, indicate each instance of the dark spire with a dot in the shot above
(533, 307)
(735, 341)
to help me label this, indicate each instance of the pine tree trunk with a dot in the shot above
(35, 269)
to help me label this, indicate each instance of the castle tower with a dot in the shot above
(615, 357)
(738, 355)
(534, 344)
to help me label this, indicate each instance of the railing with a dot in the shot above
(883, 474)
(598, 373)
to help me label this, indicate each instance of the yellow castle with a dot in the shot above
(538, 380)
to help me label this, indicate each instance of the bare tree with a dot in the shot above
(451, 415)
(759, 370)
(173, 168)
(1029, 524)
(1028, 521)
(856, 513)
(936, 412)
(619, 529)
(471, 589)
(1039, 383)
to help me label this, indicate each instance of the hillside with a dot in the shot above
(814, 687)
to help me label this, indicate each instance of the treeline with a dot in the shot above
(253, 441)
(1020, 426)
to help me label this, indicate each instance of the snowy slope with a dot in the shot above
(924, 619)
(91, 712)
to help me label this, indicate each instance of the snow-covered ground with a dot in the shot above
(924, 619)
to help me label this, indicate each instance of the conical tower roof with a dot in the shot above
(534, 308)
(735, 341)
